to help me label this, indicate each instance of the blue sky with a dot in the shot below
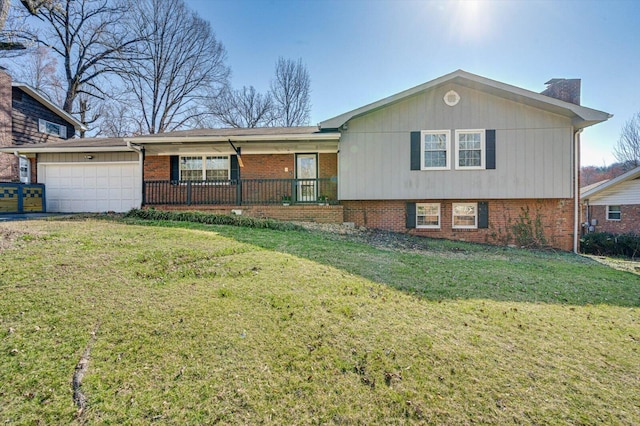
(360, 51)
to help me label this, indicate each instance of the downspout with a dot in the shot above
(141, 155)
(576, 188)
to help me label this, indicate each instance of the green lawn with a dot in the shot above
(197, 324)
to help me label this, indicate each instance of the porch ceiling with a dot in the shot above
(247, 147)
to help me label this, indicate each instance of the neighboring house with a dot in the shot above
(613, 205)
(28, 118)
(460, 157)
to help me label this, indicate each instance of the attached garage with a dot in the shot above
(91, 187)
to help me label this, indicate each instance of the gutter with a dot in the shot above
(576, 189)
(141, 155)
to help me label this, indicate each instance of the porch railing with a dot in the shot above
(241, 192)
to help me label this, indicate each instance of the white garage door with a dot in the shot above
(91, 187)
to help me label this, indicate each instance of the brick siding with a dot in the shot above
(303, 213)
(629, 219)
(8, 162)
(258, 166)
(554, 216)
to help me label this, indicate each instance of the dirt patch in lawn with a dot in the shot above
(10, 236)
(619, 264)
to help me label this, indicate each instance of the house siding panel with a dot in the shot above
(533, 155)
(554, 216)
(256, 166)
(622, 193)
(26, 112)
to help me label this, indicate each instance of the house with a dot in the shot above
(28, 118)
(613, 205)
(460, 157)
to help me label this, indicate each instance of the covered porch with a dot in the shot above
(283, 173)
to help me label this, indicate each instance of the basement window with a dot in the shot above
(428, 215)
(465, 216)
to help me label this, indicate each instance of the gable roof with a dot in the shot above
(196, 136)
(630, 175)
(50, 105)
(582, 116)
(587, 188)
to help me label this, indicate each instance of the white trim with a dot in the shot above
(447, 133)
(63, 163)
(204, 169)
(483, 149)
(453, 216)
(439, 216)
(238, 138)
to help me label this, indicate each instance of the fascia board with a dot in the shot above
(583, 116)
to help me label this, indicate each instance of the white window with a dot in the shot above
(435, 146)
(465, 215)
(198, 168)
(614, 213)
(470, 149)
(428, 215)
(54, 129)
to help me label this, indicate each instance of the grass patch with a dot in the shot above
(206, 323)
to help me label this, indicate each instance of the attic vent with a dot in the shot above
(451, 98)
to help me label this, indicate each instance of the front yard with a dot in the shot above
(198, 324)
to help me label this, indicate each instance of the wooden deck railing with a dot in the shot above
(241, 192)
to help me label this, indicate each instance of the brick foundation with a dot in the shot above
(302, 213)
(629, 223)
(555, 219)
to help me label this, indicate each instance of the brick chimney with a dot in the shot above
(565, 89)
(8, 162)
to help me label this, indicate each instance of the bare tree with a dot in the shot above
(627, 150)
(88, 36)
(40, 71)
(183, 67)
(243, 108)
(290, 91)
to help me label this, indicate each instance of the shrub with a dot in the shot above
(211, 219)
(607, 244)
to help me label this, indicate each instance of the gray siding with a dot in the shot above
(534, 150)
(79, 157)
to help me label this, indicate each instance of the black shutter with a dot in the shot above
(411, 215)
(415, 150)
(174, 173)
(483, 215)
(235, 168)
(490, 145)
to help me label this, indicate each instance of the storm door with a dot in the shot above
(306, 175)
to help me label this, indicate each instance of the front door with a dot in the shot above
(306, 174)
